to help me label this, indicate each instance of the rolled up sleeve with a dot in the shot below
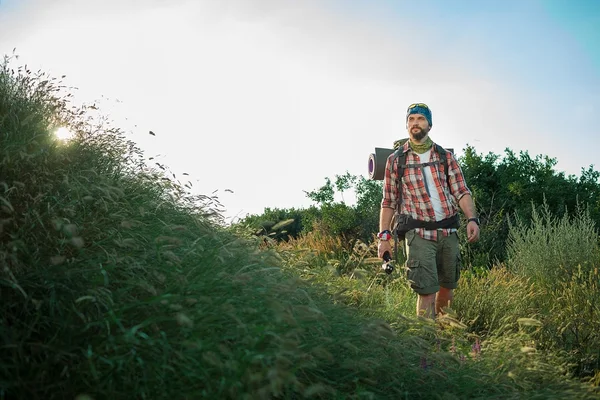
(457, 183)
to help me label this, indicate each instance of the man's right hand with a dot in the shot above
(384, 245)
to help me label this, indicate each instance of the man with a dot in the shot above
(426, 213)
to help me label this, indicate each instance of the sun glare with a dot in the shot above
(63, 133)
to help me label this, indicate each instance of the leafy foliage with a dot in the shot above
(551, 249)
(357, 222)
(504, 188)
(275, 223)
(508, 187)
(331, 217)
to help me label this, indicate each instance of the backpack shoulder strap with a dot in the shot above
(444, 160)
(399, 155)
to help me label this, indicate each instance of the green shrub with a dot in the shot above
(275, 223)
(552, 277)
(550, 249)
(493, 303)
(356, 222)
(572, 322)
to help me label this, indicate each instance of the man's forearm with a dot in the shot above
(385, 218)
(467, 206)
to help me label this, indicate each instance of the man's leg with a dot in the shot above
(444, 299)
(448, 271)
(425, 305)
(422, 272)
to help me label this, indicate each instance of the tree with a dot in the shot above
(359, 221)
(508, 187)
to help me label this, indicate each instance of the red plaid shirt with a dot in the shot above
(415, 200)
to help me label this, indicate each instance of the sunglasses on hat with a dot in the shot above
(418, 105)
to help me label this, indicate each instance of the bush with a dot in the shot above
(352, 223)
(507, 186)
(572, 321)
(551, 249)
(551, 278)
(275, 223)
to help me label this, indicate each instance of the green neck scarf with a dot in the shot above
(421, 148)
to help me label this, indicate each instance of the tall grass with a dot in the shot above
(117, 283)
(500, 337)
(550, 249)
(551, 278)
(562, 256)
(491, 302)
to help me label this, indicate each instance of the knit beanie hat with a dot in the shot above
(419, 108)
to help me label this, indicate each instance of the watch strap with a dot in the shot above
(384, 235)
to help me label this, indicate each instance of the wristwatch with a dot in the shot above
(384, 235)
(474, 219)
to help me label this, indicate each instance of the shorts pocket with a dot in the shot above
(412, 270)
(414, 273)
(458, 266)
(419, 276)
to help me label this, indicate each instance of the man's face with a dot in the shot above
(417, 126)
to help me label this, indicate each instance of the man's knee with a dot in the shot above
(444, 291)
(444, 296)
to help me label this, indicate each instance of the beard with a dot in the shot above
(418, 133)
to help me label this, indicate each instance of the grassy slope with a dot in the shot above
(115, 285)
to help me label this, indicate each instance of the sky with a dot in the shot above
(261, 100)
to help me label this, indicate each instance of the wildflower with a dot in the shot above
(476, 348)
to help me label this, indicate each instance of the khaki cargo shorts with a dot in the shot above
(431, 264)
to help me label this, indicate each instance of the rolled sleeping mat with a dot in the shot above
(377, 163)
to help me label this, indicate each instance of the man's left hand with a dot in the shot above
(472, 232)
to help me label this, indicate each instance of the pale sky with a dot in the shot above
(268, 97)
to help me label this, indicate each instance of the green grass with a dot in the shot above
(117, 283)
(495, 309)
(551, 249)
